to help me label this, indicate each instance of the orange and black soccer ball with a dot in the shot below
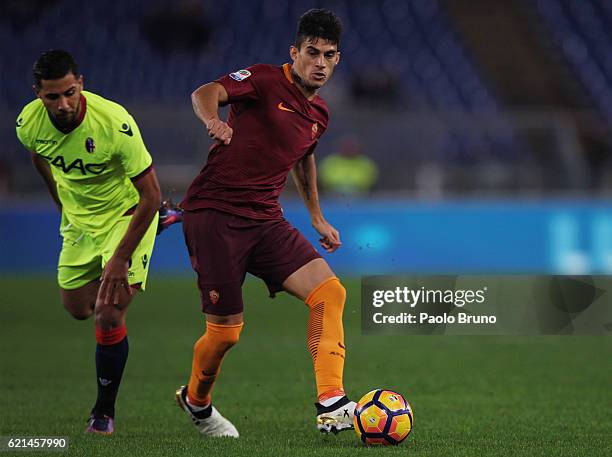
(383, 417)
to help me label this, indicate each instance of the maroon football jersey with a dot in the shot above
(274, 127)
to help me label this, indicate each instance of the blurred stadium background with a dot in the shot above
(487, 121)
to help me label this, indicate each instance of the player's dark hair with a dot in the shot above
(318, 23)
(53, 64)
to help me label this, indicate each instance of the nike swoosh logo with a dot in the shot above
(126, 129)
(284, 108)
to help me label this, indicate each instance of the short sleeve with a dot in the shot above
(22, 135)
(240, 85)
(132, 151)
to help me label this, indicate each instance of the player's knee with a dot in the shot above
(80, 313)
(230, 339)
(220, 345)
(108, 317)
(340, 292)
(331, 291)
(222, 337)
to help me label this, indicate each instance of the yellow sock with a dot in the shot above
(208, 354)
(325, 335)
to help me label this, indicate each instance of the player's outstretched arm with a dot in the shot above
(115, 274)
(206, 101)
(305, 176)
(44, 170)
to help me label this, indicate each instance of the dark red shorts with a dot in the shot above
(223, 247)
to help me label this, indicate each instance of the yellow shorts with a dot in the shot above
(83, 256)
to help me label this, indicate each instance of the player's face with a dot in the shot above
(61, 98)
(314, 61)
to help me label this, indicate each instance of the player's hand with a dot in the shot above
(114, 278)
(219, 131)
(330, 238)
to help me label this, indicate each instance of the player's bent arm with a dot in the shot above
(206, 101)
(115, 274)
(42, 167)
(305, 176)
(150, 198)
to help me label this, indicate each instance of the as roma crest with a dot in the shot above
(214, 296)
(315, 129)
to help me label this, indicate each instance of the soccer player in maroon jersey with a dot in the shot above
(233, 222)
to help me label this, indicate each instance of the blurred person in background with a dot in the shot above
(234, 223)
(349, 171)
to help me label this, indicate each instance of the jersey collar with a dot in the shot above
(83, 103)
(287, 71)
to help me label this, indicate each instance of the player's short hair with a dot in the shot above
(318, 23)
(53, 64)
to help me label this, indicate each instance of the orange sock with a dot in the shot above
(325, 336)
(208, 354)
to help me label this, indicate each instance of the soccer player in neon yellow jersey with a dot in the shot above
(91, 156)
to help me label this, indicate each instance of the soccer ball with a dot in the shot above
(383, 417)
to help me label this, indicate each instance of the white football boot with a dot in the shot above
(337, 417)
(209, 421)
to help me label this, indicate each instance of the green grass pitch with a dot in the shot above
(472, 396)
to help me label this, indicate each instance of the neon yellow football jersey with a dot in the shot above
(93, 164)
